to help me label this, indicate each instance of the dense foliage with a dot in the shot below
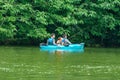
(95, 22)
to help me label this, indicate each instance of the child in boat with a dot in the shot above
(59, 41)
(51, 41)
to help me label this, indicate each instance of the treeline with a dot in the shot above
(95, 22)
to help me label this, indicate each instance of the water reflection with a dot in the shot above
(63, 51)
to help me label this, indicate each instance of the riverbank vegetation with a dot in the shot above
(95, 22)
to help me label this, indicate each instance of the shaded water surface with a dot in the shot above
(29, 63)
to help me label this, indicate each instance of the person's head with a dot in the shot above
(59, 38)
(53, 35)
(64, 36)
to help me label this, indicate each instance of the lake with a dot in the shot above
(29, 63)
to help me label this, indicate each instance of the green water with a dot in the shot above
(29, 63)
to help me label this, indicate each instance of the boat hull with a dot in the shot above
(70, 48)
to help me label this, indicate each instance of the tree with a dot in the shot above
(89, 21)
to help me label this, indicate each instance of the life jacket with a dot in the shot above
(63, 40)
(50, 41)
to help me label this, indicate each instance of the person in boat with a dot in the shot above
(59, 41)
(51, 41)
(65, 41)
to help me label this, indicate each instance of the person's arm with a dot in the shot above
(57, 42)
(54, 42)
(47, 42)
(68, 41)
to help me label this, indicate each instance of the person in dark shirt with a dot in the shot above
(51, 41)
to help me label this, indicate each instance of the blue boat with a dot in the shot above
(69, 48)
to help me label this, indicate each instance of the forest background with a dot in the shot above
(30, 22)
